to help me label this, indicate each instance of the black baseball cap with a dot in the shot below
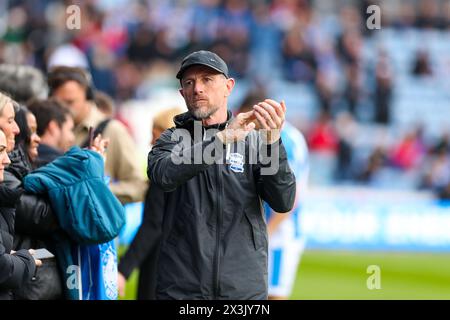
(205, 58)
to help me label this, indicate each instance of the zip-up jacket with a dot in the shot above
(214, 243)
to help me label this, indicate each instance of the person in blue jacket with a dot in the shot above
(90, 215)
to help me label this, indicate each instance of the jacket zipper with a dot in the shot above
(216, 269)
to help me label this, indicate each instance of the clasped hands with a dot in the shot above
(267, 117)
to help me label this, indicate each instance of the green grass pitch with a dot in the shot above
(342, 275)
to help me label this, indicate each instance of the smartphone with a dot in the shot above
(91, 136)
(42, 253)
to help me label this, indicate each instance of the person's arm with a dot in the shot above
(275, 179)
(148, 235)
(15, 268)
(146, 240)
(34, 214)
(170, 164)
(277, 184)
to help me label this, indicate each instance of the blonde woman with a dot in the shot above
(7, 120)
(34, 218)
(15, 267)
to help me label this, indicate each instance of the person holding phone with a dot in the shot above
(54, 127)
(16, 267)
(73, 86)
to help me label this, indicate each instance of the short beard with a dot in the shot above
(202, 114)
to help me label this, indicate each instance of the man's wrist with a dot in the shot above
(270, 137)
(220, 135)
(223, 137)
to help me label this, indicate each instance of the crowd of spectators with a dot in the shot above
(133, 47)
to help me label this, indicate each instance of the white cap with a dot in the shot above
(68, 55)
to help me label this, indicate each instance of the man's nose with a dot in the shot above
(198, 87)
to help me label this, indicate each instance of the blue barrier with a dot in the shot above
(415, 225)
(356, 225)
(133, 217)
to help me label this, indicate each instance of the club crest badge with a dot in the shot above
(236, 161)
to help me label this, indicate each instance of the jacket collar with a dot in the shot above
(186, 120)
(20, 165)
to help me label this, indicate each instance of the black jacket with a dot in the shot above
(35, 227)
(46, 154)
(18, 268)
(34, 215)
(214, 243)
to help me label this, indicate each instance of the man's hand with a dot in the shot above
(238, 128)
(121, 283)
(270, 116)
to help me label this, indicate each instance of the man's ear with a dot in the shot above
(230, 86)
(181, 92)
(52, 127)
